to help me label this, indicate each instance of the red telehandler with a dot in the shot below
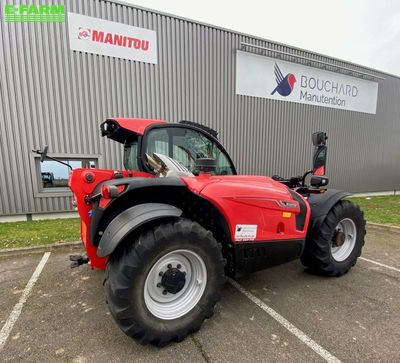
(178, 219)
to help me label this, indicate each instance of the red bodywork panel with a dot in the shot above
(252, 200)
(243, 200)
(81, 187)
(136, 125)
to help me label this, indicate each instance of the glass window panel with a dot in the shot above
(130, 156)
(54, 175)
(187, 146)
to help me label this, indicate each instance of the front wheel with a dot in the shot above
(162, 288)
(334, 248)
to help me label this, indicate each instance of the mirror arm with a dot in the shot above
(39, 152)
(59, 161)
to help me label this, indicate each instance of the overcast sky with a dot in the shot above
(366, 32)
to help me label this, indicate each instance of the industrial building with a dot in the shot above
(60, 79)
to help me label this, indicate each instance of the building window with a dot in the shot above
(53, 176)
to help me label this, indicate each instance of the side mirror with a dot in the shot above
(319, 160)
(44, 154)
(319, 138)
(319, 141)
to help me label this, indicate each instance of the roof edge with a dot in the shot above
(139, 7)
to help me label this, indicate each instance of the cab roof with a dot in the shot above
(124, 129)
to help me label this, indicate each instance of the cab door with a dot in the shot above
(185, 144)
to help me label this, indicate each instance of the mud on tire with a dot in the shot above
(334, 248)
(145, 303)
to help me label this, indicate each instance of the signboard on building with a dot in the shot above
(265, 77)
(98, 36)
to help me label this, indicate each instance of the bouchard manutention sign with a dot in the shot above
(265, 77)
(98, 36)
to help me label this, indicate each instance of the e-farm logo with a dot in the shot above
(34, 13)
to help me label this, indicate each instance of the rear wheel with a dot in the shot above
(165, 285)
(334, 248)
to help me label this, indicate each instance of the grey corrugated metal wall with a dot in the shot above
(52, 95)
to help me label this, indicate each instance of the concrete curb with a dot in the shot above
(57, 246)
(37, 249)
(383, 227)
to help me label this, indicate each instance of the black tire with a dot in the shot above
(127, 271)
(318, 254)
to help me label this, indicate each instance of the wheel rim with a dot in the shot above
(348, 228)
(171, 305)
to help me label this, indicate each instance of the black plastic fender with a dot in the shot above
(100, 215)
(130, 219)
(321, 204)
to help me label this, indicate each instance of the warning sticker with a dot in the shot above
(245, 232)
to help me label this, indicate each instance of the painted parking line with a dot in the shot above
(9, 324)
(380, 264)
(286, 324)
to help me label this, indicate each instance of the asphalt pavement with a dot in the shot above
(353, 318)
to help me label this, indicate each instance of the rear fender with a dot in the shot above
(131, 195)
(321, 204)
(129, 220)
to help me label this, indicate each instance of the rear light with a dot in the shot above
(111, 191)
(106, 192)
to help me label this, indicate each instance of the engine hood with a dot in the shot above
(237, 186)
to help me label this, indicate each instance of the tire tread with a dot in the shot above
(317, 251)
(123, 265)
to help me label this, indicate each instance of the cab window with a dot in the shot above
(130, 155)
(185, 146)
